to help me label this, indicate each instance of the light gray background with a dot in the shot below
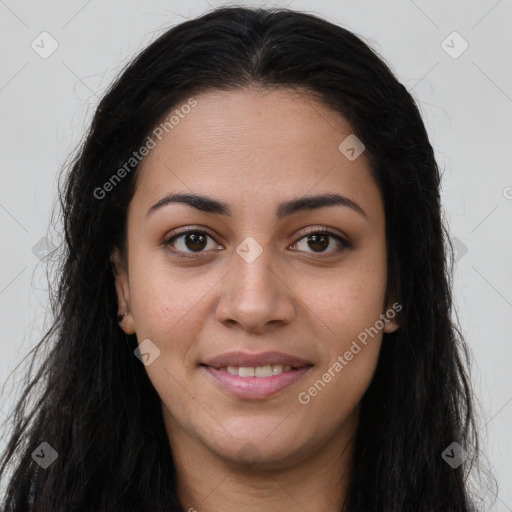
(45, 105)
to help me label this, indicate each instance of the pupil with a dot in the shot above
(195, 238)
(315, 240)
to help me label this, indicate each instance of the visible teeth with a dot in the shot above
(277, 369)
(258, 371)
(245, 371)
(263, 371)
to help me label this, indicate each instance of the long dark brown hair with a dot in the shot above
(97, 407)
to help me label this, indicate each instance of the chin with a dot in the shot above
(260, 452)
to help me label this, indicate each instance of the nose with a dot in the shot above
(257, 296)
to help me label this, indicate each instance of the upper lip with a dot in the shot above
(261, 359)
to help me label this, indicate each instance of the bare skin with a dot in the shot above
(254, 149)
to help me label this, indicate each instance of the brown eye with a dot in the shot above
(320, 241)
(188, 242)
(191, 242)
(195, 241)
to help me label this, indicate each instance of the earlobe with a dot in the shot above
(392, 322)
(392, 304)
(391, 326)
(124, 316)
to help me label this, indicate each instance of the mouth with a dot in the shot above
(255, 376)
(248, 360)
(256, 371)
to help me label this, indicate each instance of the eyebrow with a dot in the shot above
(285, 209)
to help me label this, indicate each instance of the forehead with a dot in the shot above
(243, 144)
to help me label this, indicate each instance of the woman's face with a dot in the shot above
(255, 289)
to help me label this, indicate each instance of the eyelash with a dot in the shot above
(343, 243)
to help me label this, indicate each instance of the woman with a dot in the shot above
(254, 308)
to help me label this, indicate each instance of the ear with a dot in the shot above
(392, 313)
(127, 323)
(392, 303)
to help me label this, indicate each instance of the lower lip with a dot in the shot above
(255, 387)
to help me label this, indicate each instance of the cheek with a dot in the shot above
(351, 339)
(165, 309)
(350, 346)
(347, 301)
(347, 307)
(164, 298)
(340, 385)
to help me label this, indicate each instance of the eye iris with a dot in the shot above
(195, 238)
(315, 239)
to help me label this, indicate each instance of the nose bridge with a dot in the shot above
(253, 271)
(254, 265)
